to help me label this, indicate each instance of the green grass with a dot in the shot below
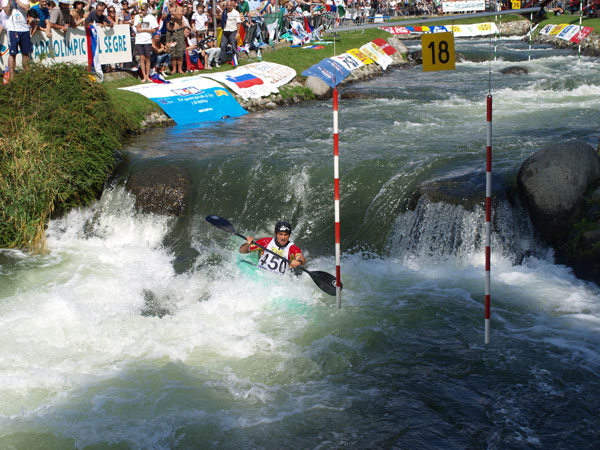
(58, 138)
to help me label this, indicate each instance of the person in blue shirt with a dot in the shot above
(43, 12)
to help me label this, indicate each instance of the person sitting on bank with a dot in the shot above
(279, 244)
(60, 18)
(159, 58)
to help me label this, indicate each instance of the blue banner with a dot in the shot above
(331, 72)
(192, 100)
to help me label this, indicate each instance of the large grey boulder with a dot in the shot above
(161, 190)
(552, 183)
(318, 87)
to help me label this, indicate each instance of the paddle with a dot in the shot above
(324, 280)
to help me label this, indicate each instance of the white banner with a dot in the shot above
(276, 74)
(114, 46)
(255, 80)
(463, 5)
(349, 61)
(472, 30)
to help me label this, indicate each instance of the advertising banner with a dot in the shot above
(349, 61)
(191, 100)
(385, 46)
(377, 54)
(328, 70)
(360, 55)
(276, 74)
(396, 30)
(114, 46)
(463, 5)
(244, 83)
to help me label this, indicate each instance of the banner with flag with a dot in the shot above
(244, 83)
(275, 74)
(191, 100)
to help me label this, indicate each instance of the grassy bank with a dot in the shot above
(58, 136)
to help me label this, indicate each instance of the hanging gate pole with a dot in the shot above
(336, 189)
(488, 217)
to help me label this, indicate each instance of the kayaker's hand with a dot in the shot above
(295, 263)
(249, 240)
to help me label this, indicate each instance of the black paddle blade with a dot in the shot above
(324, 280)
(221, 223)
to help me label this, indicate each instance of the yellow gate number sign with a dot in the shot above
(516, 4)
(438, 51)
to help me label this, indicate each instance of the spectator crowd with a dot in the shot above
(181, 35)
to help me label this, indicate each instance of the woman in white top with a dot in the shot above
(145, 25)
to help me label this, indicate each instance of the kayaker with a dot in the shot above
(281, 245)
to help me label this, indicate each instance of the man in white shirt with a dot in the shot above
(18, 32)
(229, 21)
(145, 25)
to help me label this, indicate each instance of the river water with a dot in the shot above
(143, 332)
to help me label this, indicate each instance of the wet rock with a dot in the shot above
(355, 95)
(319, 88)
(514, 70)
(161, 190)
(552, 183)
(467, 190)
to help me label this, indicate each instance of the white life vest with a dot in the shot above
(272, 263)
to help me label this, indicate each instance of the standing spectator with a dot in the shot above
(97, 16)
(176, 37)
(60, 18)
(78, 12)
(18, 33)
(230, 20)
(145, 25)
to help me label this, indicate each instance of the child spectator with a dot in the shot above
(200, 18)
(33, 20)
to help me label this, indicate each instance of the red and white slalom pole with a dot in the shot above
(488, 217)
(336, 194)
